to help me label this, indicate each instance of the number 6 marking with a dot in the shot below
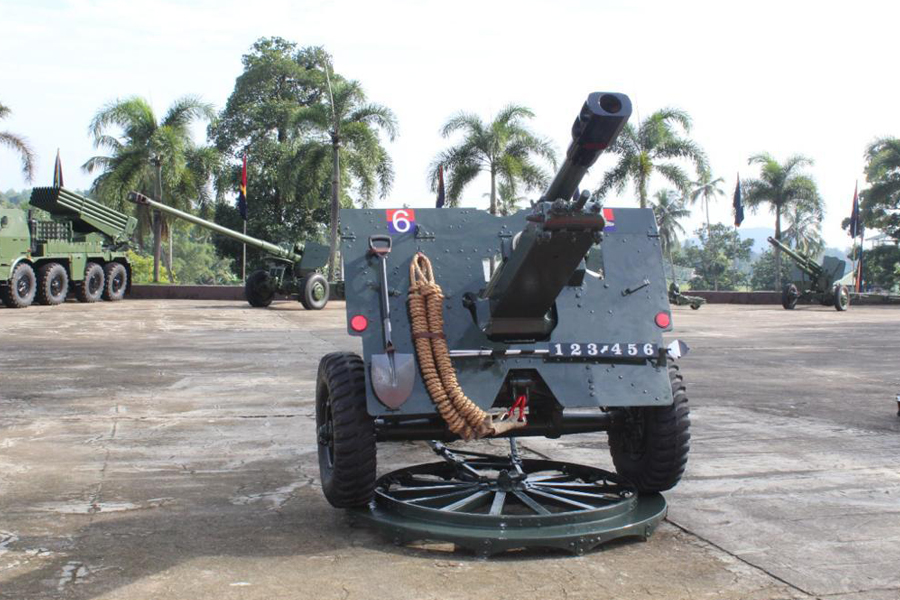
(400, 221)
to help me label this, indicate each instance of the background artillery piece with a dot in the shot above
(289, 272)
(814, 282)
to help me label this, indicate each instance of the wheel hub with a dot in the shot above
(490, 504)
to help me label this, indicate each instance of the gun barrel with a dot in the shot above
(602, 117)
(804, 263)
(272, 249)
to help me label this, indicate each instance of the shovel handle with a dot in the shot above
(380, 250)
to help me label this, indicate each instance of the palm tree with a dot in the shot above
(20, 145)
(644, 150)
(707, 189)
(345, 125)
(504, 147)
(879, 203)
(669, 209)
(149, 156)
(780, 185)
(804, 226)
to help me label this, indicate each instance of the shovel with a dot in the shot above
(393, 374)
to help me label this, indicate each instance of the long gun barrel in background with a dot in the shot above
(803, 262)
(271, 249)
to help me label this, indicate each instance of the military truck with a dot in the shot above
(79, 249)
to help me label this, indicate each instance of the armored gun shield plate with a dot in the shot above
(617, 304)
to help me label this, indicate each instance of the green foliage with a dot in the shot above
(289, 112)
(649, 148)
(156, 158)
(19, 145)
(881, 267)
(504, 148)
(196, 262)
(14, 199)
(763, 277)
(669, 209)
(785, 189)
(880, 203)
(706, 189)
(142, 267)
(717, 260)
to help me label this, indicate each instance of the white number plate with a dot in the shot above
(604, 349)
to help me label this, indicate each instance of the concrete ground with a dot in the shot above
(165, 449)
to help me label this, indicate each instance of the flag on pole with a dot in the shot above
(440, 196)
(855, 229)
(738, 206)
(57, 171)
(242, 195)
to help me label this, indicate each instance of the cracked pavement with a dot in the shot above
(166, 449)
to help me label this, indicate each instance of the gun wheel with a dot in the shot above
(841, 297)
(314, 292)
(53, 284)
(90, 289)
(258, 290)
(651, 449)
(345, 432)
(491, 504)
(789, 296)
(116, 281)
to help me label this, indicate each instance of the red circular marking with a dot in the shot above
(359, 323)
(663, 320)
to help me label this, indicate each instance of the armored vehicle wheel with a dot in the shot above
(841, 297)
(695, 306)
(91, 288)
(258, 291)
(20, 289)
(651, 450)
(116, 281)
(789, 296)
(345, 431)
(314, 292)
(53, 284)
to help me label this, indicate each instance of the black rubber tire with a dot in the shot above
(115, 281)
(695, 306)
(345, 431)
(90, 289)
(308, 292)
(789, 296)
(652, 450)
(256, 292)
(53, 284)
(841, 297)
(19, 291)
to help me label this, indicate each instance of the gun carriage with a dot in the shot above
(478, 326)
(289, 272)
(814, 282)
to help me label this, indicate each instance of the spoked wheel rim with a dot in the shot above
(490, 504)
(117, 283)
(22, 286)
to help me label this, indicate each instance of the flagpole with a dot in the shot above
(244, 261)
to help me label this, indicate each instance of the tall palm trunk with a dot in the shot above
(335, 200)
(493, 209)
(157, 225)
(171, 253)
(777, 249)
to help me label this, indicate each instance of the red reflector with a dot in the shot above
(359, 323)
(663, 320)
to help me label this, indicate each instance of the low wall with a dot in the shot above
(737, 297)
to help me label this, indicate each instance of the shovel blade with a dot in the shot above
(393, 377)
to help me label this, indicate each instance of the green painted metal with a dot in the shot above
(811, 281)
(288, 271)
(491, 504)
(77, 231)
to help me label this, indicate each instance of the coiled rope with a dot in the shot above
(426, 314)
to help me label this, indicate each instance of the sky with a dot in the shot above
(779, 77)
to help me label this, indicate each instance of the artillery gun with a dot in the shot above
(814, 282)
(541, 345)
(680, 299)
(81, 248)
(289, 272)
